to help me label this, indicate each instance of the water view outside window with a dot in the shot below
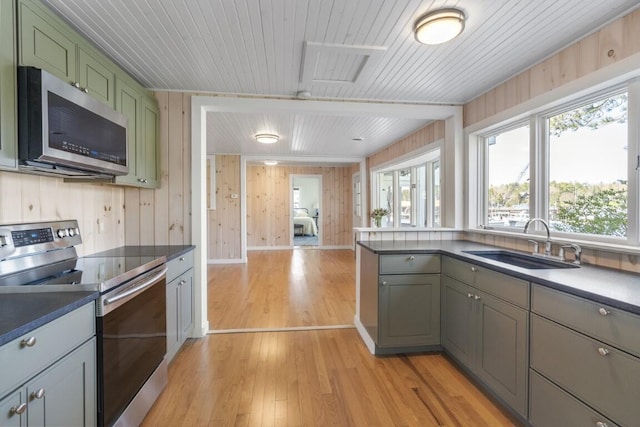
(588, 168)
(507, 158)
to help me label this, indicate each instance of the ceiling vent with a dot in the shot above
(337, 64)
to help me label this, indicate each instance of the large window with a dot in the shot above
(508, 177)
(572, 171)
(411, 193)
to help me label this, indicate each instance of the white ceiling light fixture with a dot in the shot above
(439, 26)
(267, 138)
(270, 162)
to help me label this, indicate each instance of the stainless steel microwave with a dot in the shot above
(63, 131)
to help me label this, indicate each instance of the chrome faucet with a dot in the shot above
(547, 244)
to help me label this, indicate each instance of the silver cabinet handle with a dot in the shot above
(601, 424)
(603, 351)
(383, 284)
(474, 269)
(411, 258)
(476, 297)
(603, 311)
(181, 258)
(28, 342)
(18, 409)
(182, 282)
(38, 394)
(469, 295)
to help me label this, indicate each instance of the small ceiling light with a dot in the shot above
(270, 162)
(439, 26)
(267, 138)
(303, 94)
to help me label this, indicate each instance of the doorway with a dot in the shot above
(306, 216)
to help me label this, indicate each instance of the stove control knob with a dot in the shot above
(61, 233)
(3, 241)
(71, 232)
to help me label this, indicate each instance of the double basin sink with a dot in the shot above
(516, 259)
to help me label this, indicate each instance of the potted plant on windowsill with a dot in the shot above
(377, 214)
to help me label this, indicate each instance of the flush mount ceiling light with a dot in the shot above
(439, 26)
(267, 138)
(270, 162)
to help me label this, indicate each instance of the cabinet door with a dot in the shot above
(65, 394)
(43, 46)
(98, 80)
(173, 326)
(8, 133)
(409, 310)
(502, 349)
(457, 320)
(186, 305)
(15, 401)
(128, 104)
(148, 151)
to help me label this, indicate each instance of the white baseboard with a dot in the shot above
(227, 261)
(289, 329)
(282, 248)
(371, 345)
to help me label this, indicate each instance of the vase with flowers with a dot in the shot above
(377, 214)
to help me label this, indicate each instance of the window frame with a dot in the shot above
(424, 160)
(540, 166)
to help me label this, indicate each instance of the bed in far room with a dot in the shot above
(303, 224)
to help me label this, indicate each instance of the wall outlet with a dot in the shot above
(234, 196)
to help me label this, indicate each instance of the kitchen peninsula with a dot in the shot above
(516, 330)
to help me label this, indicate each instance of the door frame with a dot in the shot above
(319, 179)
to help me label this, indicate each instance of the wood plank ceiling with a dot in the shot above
(335, 49)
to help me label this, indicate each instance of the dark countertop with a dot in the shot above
(616, 288)
(21, 313)
(169, 251)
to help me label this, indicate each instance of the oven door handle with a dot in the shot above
(136, 289)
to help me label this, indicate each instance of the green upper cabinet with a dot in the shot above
(47, 42)
(96, 78)
(142, 113)
(8, 135)
(44, 46)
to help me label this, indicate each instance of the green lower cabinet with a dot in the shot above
(490, 337)
(62, 395)
(179, 312)
(409, 310)
(550, 406)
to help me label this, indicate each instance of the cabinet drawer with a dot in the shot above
(603, 377)
(52, 341)
(549, 405)
(511, 289)
(409, 264)
(616, 327)
(179, 265)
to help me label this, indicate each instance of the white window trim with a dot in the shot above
(476, 203)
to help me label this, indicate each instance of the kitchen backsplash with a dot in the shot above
(99, 208)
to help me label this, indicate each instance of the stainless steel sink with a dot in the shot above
(522, 260)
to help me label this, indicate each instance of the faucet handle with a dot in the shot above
(536, 246)
(577, 252)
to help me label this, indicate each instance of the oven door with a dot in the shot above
(131, 326)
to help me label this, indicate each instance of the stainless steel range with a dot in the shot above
(130, 312)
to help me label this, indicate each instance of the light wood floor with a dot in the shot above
(288, 288)
(306, 378)
(314, 378)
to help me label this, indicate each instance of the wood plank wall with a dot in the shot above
(224, 222)
(269, 209)
(416, 140)
(163, 216)
(618, 40)
(99, 208)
